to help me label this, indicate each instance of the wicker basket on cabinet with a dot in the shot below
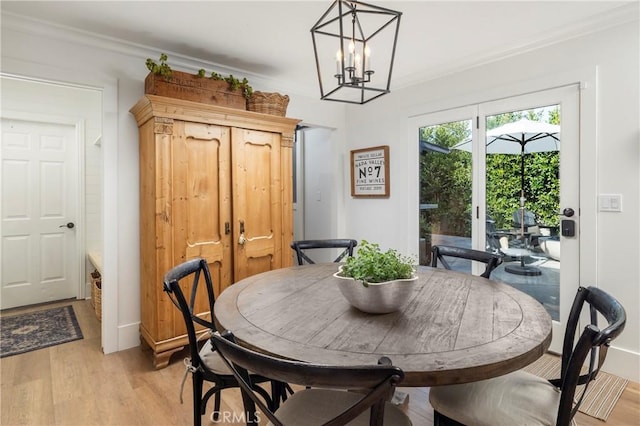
(268, 103)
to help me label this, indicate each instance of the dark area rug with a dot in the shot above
(36, 330)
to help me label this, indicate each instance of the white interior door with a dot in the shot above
(39, 204)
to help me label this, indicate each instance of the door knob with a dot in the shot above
(568, 212)
(69, 225)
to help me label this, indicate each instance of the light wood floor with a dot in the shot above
(76, 384)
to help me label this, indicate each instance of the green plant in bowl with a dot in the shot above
(372, 265)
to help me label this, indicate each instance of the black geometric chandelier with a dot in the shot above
(355, 44)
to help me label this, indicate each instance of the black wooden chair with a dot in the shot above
(520, 398)
(327, 401)
(205, 364)
(300, 246)
(440, 252)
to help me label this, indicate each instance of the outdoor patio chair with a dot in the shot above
(326, 400)
(520, 397)
(493, 237)
(300, 248)
(440, 252)
(531, 227)
(205, 364)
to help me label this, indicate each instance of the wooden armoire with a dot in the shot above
(215, 183)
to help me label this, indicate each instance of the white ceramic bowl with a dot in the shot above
(376, 298)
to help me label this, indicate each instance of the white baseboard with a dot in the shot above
(128, 336)
(623, 363)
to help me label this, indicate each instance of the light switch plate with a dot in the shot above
(610, 202)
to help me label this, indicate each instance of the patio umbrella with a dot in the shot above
(520, 137)
(523, 137)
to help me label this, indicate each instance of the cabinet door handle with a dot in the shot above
(242, 239)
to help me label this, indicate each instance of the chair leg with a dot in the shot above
(440, 419)
(286, 389)
(216, 405)
(279, 392)
(276, 395)
(197, 399)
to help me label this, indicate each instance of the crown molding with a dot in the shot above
(616, 17)
(49, 30)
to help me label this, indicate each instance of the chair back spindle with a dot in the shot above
(300, 248)
(441, 252)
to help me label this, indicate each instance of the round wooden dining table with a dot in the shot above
(456, 328)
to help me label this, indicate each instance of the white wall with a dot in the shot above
(612, 56)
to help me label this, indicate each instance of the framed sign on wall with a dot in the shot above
(370, 172)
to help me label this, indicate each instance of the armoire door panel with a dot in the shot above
(257, 201)
(256, 265)
(201, 198)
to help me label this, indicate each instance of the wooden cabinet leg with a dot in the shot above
(161, 359)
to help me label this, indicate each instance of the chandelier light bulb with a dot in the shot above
(352, 49)
(367, 58)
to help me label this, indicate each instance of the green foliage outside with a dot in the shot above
(445, 179)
